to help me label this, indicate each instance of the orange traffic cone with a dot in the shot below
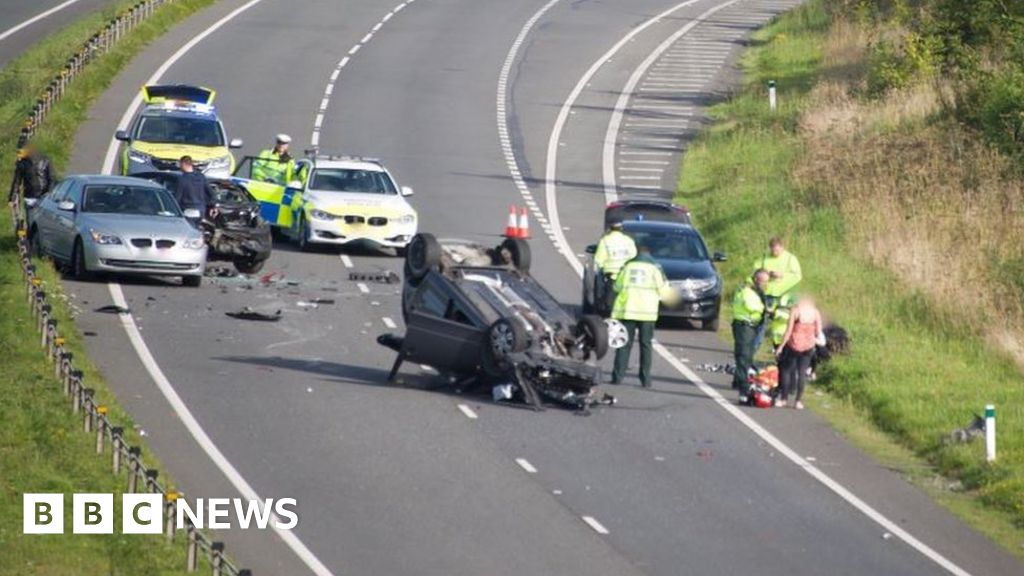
(511, 229)
(524, 225)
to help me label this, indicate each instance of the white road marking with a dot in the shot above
(643, 153)
(525, 465)
(366, 38)
(354, 49)
(632, 169)
(610, 190)
(36, 18)
(468, 412)
(389, 322)
(363, 288)
(346, 261)
(593, 523)
(644, 162)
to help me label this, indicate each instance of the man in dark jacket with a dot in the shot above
(193, 191)
(33, 175)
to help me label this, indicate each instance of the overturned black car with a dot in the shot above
(237, 233)
(476, 314)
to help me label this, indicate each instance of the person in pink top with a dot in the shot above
(796, 350)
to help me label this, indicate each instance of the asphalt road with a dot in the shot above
(397, 479)
(23, 22)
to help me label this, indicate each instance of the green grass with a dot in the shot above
(42, 448)
(914, 373)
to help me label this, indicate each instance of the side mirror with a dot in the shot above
(719, 257)
(191, 213)
(406, 191)
(592, 249)
(295, 184)
(235, 143)
(31, 202)
(121, 135)
(66, 206)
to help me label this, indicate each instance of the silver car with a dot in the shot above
(117, 224)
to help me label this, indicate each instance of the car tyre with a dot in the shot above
(192, 281)
(248, 265)
(79, 271)
(506, 337)
(422, 255)
(518, 254)
(595, 333)
(303, 236)
(710, 325)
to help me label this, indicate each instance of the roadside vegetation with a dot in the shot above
(893, 168)
(42, 447)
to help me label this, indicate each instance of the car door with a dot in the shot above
(270, 195)
(45, 218)
(64, 229)
(440, 331)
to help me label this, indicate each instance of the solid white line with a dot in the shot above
(627, 91)
(389, 322)
(346, 261)
(363, 288)
(36, 18)
(593, 523)
(468, 412)
(643, 153)
(194, 428)
(631, 169)
(146, 357)
(577, 266)
(525, 465)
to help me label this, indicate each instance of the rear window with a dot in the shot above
(671, 244)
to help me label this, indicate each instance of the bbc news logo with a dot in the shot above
(144, 513)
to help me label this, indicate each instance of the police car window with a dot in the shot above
(180, 130)
(352, 180)
(136, 200)
(672, 245)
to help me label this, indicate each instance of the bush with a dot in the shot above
(995, 105)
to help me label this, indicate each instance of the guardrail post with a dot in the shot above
(151, 476)
(58, 355)
(169, 513)
(76, 396)
(101, 428)
(217, 557)
(192, 552)
(116, 444)
(87, 407)
(66, 370)
(133, 468)
(76, 384)
(49, 329)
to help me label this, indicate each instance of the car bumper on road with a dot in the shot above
(125, 259)
(339, 233)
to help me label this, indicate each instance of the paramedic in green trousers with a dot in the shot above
(748, 309)
(638, 289)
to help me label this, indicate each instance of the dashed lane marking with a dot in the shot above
(363, 288)
(346, 261)
(525, 465)
(468, 412)
(389, 322)
(597, 526)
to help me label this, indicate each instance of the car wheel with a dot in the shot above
(494, 367)
(422, 255)
(79, 271)
(248, 265)
(710, 325)
(506, 337)
(517, 252)
(303, 235)
(192, 281)
(595, 334)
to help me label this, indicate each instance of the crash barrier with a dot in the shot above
(96, 46)
(110, 437)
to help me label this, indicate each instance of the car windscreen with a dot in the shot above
(180, 130)
(352, 180)
(135, 200)
(671, 244)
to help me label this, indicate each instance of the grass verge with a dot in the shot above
(915, 374)
(42, 448)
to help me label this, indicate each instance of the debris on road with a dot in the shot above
(89, 333)
(719, 368)
(271, 277)
(379, 276)
(248, 313)
(112, 309)
(220, 272)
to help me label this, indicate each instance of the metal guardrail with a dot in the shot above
(95, 419)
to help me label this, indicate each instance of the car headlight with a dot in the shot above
(221, 163)
(695, 284)
(193, 243)
(407, 219)
(140, 157)
(103, 238)
(321, 215)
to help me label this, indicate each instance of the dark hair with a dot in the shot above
(775, 241)
(186, 159)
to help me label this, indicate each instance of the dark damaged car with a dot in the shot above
(475, 314)
(237, 234)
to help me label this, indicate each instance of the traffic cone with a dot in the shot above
(524, 225)
(511, 229)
